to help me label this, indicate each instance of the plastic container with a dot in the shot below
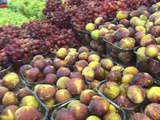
(150, 65)
(7, 68)
(122, 113)
(130, 109)
(85, 39)
(122, 56)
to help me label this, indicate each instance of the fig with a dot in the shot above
(86, 96)
(80, 65)
(27, 113)
(23, 92)
(49, 103)
(45, 91)
(121, 33)
(107, 63)
(9, 98)
(73, 103)
(49, 62)
(149, 26)
(112, 116)
(62, 53)
(32, 74)
(29, 101)
(63, 71)
(146, 40)
(11, 80)
(88, 73)
(3, 90)
(65, 114)
(62, 95)
(98, 20)
(121, 15)
(9, 113)
(125, 57)
(143, 80)
(79, 110)
(111, 90)
(139, 36)
(114, 76)
(93, 64)
(100, 73)
(76, 75)
(152, 51)
(50, 78)
(83, 56)
(49, 69)
(70, 59)
(155, 30)
(98, 106)
(93, 84)
(117, 68)
(127, 78)
(40, 64)
(130, 70)
(83, 49)
(153, 111)
(139, 116)
(90, 27)
(136, 94)
(59, 63)
(127, 43)
(141, 54)
(38, 57)
(93, 57)
(123, 101)
(93, 117)
(103, 31)
(135, 21)
(140, 29)
(125, 22)
(123, 88)
(153, 94)
(62, 82)
(95, 34)
(75, 86)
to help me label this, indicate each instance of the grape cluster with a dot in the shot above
(39, 29)
(61, 37)
(7, 33)
(22, 49)
(58, 14)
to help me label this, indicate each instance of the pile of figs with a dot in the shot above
(95, 108)
(17, 102)
(130, 31)
(58, 79)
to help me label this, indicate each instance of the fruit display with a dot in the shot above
(80, 60)
(128, 88)
(96, 109)
(17, 101)
(128, 30)
(76, 13)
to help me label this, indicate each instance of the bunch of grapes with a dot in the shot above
(39, 29)
(8, 33)
(57, 13)
(23, 49)
(61, 37)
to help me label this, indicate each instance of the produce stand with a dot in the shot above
(80, 60)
